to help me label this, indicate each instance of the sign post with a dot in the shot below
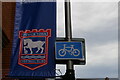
(70, 67)
(69, 51)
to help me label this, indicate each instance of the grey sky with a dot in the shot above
(97, 22)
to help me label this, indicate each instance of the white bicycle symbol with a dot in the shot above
(70, 50)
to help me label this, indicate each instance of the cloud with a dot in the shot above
(99, 71)
(60, 20)
(95, 21)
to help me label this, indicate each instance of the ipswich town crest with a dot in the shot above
(33, 51)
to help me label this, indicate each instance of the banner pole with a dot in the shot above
(68, 32)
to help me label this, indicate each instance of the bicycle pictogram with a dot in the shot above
(71, 50)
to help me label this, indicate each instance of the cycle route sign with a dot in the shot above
(69, 50)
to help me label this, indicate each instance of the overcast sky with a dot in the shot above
(97, 22)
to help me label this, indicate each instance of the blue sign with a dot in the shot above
(69, 50)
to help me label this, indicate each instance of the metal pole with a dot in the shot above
(68, 20)
(70, 67)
